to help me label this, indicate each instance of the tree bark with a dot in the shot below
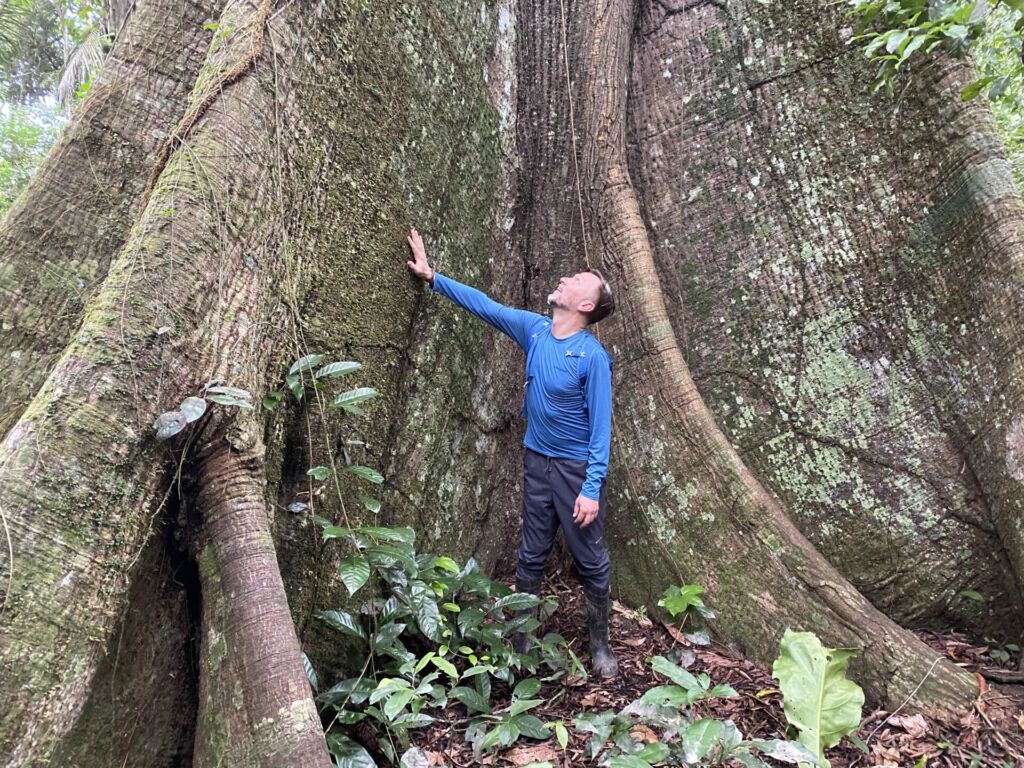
(313, 139)
(838, 267)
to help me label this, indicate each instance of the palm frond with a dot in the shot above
(82, 63)
(13, 17)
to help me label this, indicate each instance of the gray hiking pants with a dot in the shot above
(550, 488)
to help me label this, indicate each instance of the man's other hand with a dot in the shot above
(585, 511)
(418, 264)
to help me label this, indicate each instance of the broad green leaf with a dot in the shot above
(654, 752)
(817, 698)
(517, 601)
(355, 572)
(532, 727)
(562, 734)
(387, 635)
(229, 401)
(347, 753)
(526, 688)
(427, 615)
(396, 702)
(343, 622)
(169, 423)
(389, 554)
(678, 599)
(242, 394)
(310, 672)
(350, 400)
(445, 666)
(412, 720)
(336, 532)
(193, 408)
(337, 368)
(404, 535)
(305, 363)
(675, 695)
(354, 690)
(229, 396)
(446, 564)
(523, 705)
(676, 674)
(792, 752)
(271, 399)
(366, 473)
(387, 686)
(294, 384)
(472, 699)
(370, 503)
(319, 473)
(414, 757)
(700, 738)
(747, 760)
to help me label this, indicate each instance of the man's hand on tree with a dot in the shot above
(585, 511)
(418, 264)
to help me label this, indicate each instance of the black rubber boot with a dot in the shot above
(521, 642)
(601, 656)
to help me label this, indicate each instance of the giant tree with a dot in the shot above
(816, 354)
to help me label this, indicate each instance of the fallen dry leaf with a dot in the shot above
(635, 642)
(641, 732)
(677, 635)
(526, 755)
(629, 613)
(915, 725)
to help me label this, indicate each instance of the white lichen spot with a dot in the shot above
(1015, 449)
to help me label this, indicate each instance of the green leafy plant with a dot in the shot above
(503, 728)
(1002, 652)
(896, 32)
(685, 738)
(684, 604)
(191, 409)
(431, 632)
(818, 699)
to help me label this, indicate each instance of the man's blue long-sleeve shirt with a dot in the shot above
(562, 420)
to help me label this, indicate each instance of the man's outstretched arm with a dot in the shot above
(515, 323)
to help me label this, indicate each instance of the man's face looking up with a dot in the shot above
(579, 292)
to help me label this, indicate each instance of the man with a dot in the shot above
(568, 408)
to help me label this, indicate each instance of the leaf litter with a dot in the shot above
(991, 735)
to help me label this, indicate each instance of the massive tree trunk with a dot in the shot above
(805, 404)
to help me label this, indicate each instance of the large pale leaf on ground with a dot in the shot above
(817, 698)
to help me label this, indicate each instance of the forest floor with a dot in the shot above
(992, 735)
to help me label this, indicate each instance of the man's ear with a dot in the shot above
(586, 307)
